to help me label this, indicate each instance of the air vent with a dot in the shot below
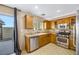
(43, 14)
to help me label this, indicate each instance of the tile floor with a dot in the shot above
(51, 49)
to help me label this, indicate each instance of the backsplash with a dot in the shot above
(31, 31)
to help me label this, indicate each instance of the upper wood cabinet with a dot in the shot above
(28, 22)
(53, 24)
(66, 20)
(47, 24)
(53, 38)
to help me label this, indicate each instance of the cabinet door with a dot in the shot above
(28, 22)
(71, 46)
(47, 25)
(53, 38)
(27, 44)
(44, 25)
(42, 40)
(53, 25)
(48, 38)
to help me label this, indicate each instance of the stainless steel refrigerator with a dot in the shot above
(77, 32)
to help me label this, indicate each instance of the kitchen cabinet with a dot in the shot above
(47, 24)
(48, 38)
(43, 40)
(63, 21)
(71, 45)
(27, 44)
(53, 38)
(28, 22)
(73, 22)
(53, 24)
(31, 43)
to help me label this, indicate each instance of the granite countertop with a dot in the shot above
(37, 34)
(34, 35)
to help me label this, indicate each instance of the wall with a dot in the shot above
(20, 20)
(6, 10)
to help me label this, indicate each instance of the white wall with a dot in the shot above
(6, 10)
(20, 20)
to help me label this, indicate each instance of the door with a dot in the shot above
(6, 34)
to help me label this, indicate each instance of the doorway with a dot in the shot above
(6, 34)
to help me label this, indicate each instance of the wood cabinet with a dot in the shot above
(65, 20)
(53, 38)
(43, 40)
(53, 24)
(27, 44)
(28, 22)
(71, 46)
(47, 24)
(48, 38)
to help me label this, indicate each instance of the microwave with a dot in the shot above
(63, 26)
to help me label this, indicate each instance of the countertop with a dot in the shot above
(38, 34)
(34, 35)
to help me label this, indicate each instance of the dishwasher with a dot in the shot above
(34, 43)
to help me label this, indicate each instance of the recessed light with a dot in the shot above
(36, 7)
(58, 11)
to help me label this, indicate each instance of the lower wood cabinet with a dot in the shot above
(27, 44)
(71, 45)
(43, 40)
(53, 38)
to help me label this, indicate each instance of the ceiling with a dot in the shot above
(49, 11)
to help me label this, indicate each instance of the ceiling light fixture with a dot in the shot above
(58, 11)
(36, 7)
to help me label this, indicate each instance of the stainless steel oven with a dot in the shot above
(63, 39)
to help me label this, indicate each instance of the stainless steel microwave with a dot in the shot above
(63, 26)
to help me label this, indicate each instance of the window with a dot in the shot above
(6, 27)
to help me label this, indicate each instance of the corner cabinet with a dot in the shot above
(28, 22)
(53, 38)
(46, 24)
(43, 40)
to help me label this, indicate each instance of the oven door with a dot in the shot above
(63, 42)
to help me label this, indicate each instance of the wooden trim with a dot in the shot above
(1, 33)
(25, 20)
